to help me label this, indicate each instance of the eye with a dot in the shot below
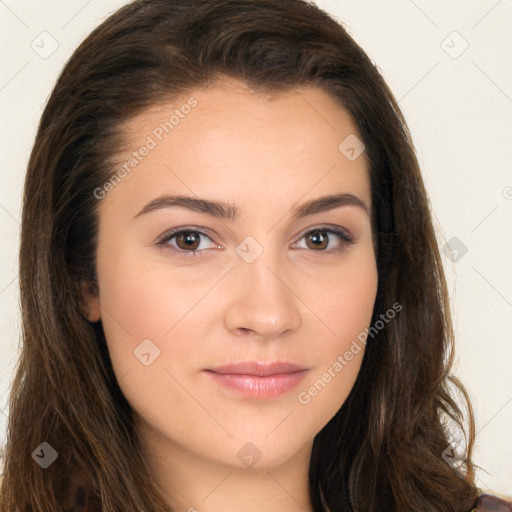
(185, 241)
(318, 239)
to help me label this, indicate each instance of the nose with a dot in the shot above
(262, 299)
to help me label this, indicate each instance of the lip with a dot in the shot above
(257, 379)
(258, 368)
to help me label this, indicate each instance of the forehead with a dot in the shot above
(234, 139)
(227, 102)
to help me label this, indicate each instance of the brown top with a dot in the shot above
(484, 503)
(77, 500)
(492, 503)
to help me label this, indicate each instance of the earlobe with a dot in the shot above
(90, 301)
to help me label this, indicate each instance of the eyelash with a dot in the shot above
(162, 241)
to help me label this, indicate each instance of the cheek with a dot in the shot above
(137, 305)
(143, 313)
(344, 309)
(343, 299)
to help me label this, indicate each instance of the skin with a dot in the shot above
(304, 304)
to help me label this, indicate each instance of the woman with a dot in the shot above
(232, 296)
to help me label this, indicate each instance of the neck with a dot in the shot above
(195, 484)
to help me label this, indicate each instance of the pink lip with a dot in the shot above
(259, 368)
(258, 379)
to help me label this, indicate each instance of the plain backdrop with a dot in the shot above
(449, 65)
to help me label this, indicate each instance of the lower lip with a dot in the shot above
(259, 387)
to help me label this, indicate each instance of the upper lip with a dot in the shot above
(259, 368)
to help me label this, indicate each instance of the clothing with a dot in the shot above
(492, 503)
(484, 503)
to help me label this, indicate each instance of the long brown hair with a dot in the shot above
(383, 449)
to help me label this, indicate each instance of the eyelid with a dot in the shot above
(331, 228)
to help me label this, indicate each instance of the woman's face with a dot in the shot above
(270, 281)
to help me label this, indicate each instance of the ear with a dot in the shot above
(90, 301)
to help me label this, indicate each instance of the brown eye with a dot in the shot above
(317, 240)
(332, 240)
(188, 240)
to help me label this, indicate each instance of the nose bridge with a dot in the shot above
(262, 272)
(261, 299)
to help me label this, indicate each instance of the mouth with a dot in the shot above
(257, 379)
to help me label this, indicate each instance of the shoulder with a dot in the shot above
(492, 503)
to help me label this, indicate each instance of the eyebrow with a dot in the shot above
(230, 211)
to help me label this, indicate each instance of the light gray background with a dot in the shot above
(458, 104)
